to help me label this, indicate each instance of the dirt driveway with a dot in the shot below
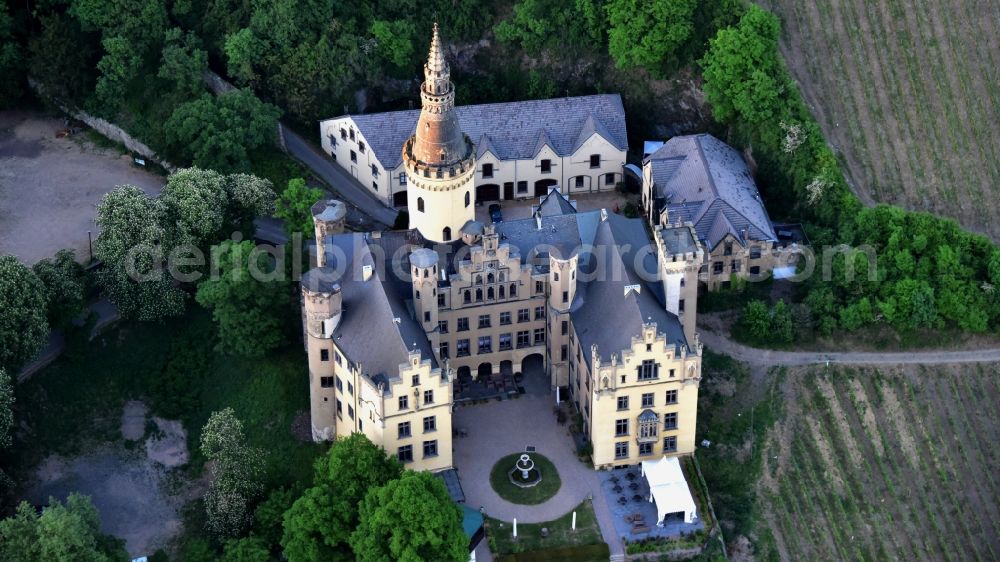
(49, 187)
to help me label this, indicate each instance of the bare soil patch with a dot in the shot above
(50, 187)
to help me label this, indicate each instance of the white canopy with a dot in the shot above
(668, 489)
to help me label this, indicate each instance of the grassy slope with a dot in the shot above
(909, 94)
(78, 400)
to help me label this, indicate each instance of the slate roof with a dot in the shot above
(603, 314)
(369, 311)
(678, 240)
(702, 180)
(621, 255)
(555, 203)
(512, 130)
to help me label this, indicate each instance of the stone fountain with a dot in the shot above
(524, 474)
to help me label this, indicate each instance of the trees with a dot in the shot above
(64, 532)
(649, 33)
(63, 58)
(247, 549)
(756, 320)
(319, 524)
(249, 197)
(540, 24)
(6, 409)
(763, 325)
(194, 203)
(24, 329)
(411, 519)
(219, 132)
(11, 61)
(237, 471)
(130, 245)
(65, 284)
(745, 78)
(294, 206)
(182, 64)
(248, 299)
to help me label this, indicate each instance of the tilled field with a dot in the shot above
(890, 464)
(909, 94)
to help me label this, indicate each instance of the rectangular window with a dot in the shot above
(671, 373)
(505, 342)
(680, 305)
(427, 316)
(755, 253)
(350, 412)
(354, 156)
(736, 266)
(609, 179)
(523, 315)
(539, 287)
(621, 450)
(595, 160)
(522, 187)
(404, 402)
(441, 300)
(463, 324)
(539, 336)
(350, 388)
(670, 420)
(405, 453)
(564, 327)
(649, 370)
(523, 339)
(671, 397)
(563, 353)
(565, 296)
(623, 402)
(504, 318)
(324, 355)
(487, 170)
(430, 424)
(546, 166)
(669, 444)
(340, 384)
(340, 411)
(484, 321)
(621, 427)
(326, 382)
(343, 133)
(361, 146)
(403, 430)
(428, 397)
(374, 185)
(444, 350)
(337, 358)
(443, 326)
(462, 348)
(578, 181)
(430, 448)
(374, 171)
(539, 312)
(647, 400)
(645, 448)
(402, 179)
(485, 344)
(352, 134)
(717, 267)
(415, 380)
(755, 270)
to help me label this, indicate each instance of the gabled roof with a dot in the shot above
(705, 181)
(604, 313)
(370, 312)
(512, 130)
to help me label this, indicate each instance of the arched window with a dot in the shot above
(468, 297)
(468, 198)
(420, 204)
(425, 273)
(513, 289)
(501, 291)
(479, 295)
(479, 279)
(489, 293)
(490, 278)
(446, 233)
(500, 276)
(556, 275)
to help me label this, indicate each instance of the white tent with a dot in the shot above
(668, 489)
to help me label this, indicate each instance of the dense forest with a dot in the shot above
(140, 64)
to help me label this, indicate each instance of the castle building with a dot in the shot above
(401, 325)
(522, 149)
(699, 179)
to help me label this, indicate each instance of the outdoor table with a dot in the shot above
(617, 489)
(637, 498)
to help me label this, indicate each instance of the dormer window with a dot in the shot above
(595, 160)
(487, 170)
(546, 166)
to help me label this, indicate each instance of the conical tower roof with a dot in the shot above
(438, 140)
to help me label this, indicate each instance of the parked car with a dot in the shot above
(495, 214)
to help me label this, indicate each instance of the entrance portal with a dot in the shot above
(485, 371)
(487, 192)
(542, 186)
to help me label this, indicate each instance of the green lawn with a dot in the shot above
(529, 535)
(175, 369)
(526, 496)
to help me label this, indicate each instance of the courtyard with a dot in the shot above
(521, 209)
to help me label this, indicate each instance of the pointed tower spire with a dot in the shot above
(437, 75)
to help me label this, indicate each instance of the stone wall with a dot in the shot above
(108, 129)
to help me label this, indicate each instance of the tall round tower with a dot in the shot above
(440, 159)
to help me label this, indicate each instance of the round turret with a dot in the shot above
(322, 302)
(329, 216)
